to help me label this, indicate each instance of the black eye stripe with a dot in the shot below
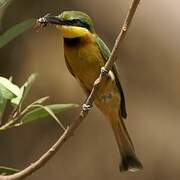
(77, 22)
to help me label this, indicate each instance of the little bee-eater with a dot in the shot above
(85, 54)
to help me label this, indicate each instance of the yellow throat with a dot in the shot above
(72, 31)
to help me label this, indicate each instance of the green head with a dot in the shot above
(77, 18)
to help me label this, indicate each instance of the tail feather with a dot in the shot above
(126, 132)
(129, 160)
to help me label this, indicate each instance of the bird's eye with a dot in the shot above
(78, 22)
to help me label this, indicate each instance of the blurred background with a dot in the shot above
(149, 64)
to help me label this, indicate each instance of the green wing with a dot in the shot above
(106, 53)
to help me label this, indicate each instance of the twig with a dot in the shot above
(86, 107)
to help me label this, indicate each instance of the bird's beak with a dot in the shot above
(50, 19)
(54, 20)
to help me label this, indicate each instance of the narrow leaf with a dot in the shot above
(40, 113)
(18, 99)
(51, 113)
(4, 3)
(37, 102)
(3, 102)
(7, 170)
(41, 100)
(8, 89)
(28, 84)
(15, 31)
(24, 90)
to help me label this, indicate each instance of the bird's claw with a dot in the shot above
(104, 71)
(86, 107)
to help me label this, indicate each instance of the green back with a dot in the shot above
(106, 54)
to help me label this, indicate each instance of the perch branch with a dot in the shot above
(85, 108)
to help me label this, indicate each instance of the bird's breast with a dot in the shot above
(85, 61)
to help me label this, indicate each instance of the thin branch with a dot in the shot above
(86, 107)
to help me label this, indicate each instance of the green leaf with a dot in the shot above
(15, 31)
(51, 113)
(31, 106)
(28, 84)
(8, 89)
(24, 90)
(7, 170)
(4, 3)
(3, 102)
(18, 99)
(41, 100)
(40, 113)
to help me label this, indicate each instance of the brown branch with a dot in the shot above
(86, 107)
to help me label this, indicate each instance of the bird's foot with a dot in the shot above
(86, 107)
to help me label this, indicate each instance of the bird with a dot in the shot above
(85, 54)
